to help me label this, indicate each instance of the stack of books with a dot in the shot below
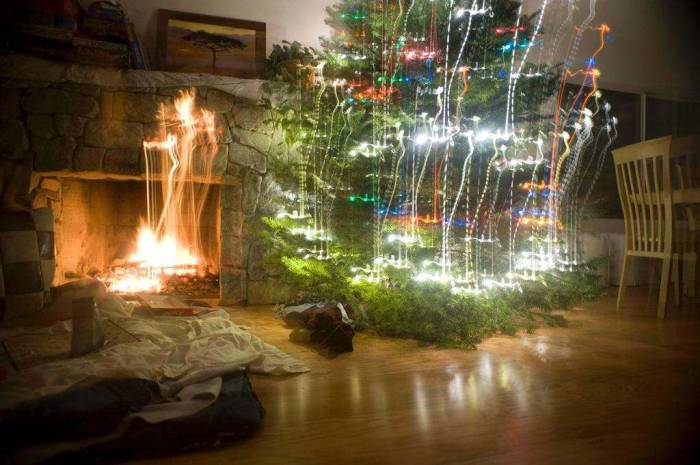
(45, 27)
(100, 34)
(103, 37)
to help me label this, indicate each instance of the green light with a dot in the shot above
(364, 198)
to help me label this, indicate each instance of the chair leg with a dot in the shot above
(623, 281)
(676, 279)
(663, 291)
(690, 278)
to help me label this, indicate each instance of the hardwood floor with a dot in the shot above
(611, 388)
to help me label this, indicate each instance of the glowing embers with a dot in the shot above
(169, 241)
(153, 260)
(128, 281)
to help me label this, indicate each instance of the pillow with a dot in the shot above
(27, 262)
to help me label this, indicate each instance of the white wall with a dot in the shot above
(654, 46)
(301, 20)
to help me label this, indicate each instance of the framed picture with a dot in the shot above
(193, 43)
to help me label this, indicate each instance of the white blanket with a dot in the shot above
(172, 351)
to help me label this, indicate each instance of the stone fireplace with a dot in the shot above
(97, 223)
(76, 134)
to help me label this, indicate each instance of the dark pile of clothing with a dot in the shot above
(326, 326)
(100, 423)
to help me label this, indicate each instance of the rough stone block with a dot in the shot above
(51, 184)
(223, 135)
(59, 101)
(140, 107)
(247, 156)
(232, 285)
(256, 258)
(251, 192)
(15, 180)
(81, 88)
(235, 171)
(231, 250)
(13, 139)
(122, 161)
(153, 131)
(54, 154)
(40, 126)
(10, 107)
(232, 196)
(219, 101)
(231, 222)
(171, 91)
(270, 199)
(113, 134)
(257, 140)
(67, 125)
(106, 101)
(176, 91)
(220, 161)
(248, 116)
(88, 159)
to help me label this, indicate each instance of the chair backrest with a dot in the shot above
(685, 159)
(643, 173)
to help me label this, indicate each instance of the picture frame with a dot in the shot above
(195, 43)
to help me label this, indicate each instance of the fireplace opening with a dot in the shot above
(100, 225)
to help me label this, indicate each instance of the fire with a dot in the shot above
(169, 240)
(163, 254)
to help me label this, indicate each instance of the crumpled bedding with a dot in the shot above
(172, 351)
(113, 419)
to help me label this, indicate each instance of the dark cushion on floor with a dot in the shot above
(79, 412)
(237, 413)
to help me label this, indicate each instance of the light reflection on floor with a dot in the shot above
(588, 393)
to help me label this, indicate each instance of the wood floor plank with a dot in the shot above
(610, 388)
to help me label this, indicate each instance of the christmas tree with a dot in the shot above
(440, 143)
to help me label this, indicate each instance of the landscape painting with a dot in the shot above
(190, 43)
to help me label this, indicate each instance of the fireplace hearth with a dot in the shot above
(81, 131)
(97, 225)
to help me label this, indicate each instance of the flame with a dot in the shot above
(169, 239)
(164, 253)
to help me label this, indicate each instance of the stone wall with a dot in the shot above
(65, 120)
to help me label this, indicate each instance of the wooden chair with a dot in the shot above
(643, 173)
(685, 159)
